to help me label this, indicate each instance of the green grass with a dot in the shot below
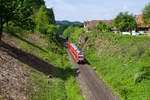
(123, 62)
(63, 87)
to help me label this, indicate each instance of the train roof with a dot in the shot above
(76, 48)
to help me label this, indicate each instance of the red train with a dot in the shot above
(78, 55)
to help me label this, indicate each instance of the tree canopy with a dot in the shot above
(146, 14)
(42, 20)
(17, 11)
(27, 14)
(52, 34)
(51, 15)
(35, 4)
(125, 22)
(22, 16)
(69, 31)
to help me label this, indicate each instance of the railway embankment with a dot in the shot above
(122, 61)
(30, 71)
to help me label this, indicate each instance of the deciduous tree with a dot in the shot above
(51, 15)
(69, 31)
(42, 20)
(146, 14)
(53, 36)
(7, 8)
(125, 22)
(16, 11)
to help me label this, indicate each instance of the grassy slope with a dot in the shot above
(55, 88)
(123, 62)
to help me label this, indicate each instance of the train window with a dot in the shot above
(80, 56)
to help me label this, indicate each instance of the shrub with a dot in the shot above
(102, 27)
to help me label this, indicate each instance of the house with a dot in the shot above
(141, 28)
(95, 22)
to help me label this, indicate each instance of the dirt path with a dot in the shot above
(92, 86)
(13, 74)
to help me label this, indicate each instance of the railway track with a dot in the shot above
(93, 88)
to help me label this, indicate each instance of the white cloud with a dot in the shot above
(89, 10)
(79, 12)
(124, 8)
(62, 9)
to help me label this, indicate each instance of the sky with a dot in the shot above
(85, 10)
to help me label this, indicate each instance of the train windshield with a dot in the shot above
(80, 56)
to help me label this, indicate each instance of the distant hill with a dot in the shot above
(68, 23)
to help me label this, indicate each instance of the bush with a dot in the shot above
(70, 31)
(102, 27)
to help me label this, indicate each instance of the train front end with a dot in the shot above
(78, 55)
(81, 57)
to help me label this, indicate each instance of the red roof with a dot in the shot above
(140, 22)
(110, 22)
(95, 22)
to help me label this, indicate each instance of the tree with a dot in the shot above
(53, 36)
(22, 15)
(6, 9)
(52, 33)
(67, 32)
(146, 14)
(42, 20)
(51, 15)
(36, 4)
(16, 11)
(103, 27)
(125, 22)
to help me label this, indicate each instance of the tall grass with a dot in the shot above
(45, 87)
(123, 62)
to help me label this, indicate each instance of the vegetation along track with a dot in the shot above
(92, 86)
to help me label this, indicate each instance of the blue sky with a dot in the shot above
(83, 10)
